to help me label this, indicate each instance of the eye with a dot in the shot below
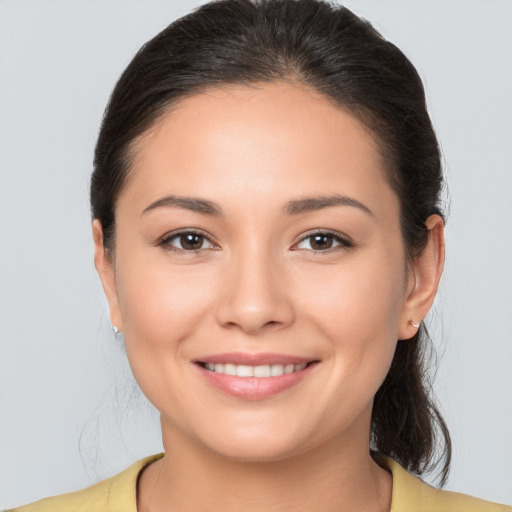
(189, 241)
(322, 241)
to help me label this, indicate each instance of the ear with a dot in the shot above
(423, 279)
(106, 270)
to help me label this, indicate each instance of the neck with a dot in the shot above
(333, 476)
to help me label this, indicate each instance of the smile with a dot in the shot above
(254, 376)
(261, 371)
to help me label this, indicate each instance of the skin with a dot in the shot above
(259, 285)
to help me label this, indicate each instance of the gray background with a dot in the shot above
(70, 414)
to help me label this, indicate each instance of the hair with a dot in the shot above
(325, 47)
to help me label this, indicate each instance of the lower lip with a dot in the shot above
(254, 388)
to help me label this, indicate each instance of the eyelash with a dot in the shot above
(167, 239)
(343, 241)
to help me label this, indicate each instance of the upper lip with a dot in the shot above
(244, 358)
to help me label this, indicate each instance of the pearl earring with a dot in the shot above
(115, 330)
(411, 322)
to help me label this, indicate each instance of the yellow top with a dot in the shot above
(117, 494)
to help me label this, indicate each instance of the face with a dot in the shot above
(259, 275)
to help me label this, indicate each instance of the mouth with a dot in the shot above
(261, 371)
(254, 377)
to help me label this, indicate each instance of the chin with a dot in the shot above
(254, 449)
(258, 441)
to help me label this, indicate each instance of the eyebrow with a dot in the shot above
(295, 207)
(188, 203)
(310, 204)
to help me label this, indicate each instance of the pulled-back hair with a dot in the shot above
(325, 47)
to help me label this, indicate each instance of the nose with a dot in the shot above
(255, 296)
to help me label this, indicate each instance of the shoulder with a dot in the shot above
(412, 494)
(111, 495)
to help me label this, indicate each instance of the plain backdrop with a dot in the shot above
(69, 412)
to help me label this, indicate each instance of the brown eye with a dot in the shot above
(322, 242)
(191, 241)
(187, 241)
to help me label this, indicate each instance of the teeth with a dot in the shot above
(244, 371)
(230, 369)
(276, 370)
(263, 371)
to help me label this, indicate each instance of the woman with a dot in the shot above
(269, 237)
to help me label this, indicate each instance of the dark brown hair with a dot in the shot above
(326, 47)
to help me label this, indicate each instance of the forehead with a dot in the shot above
(268, 141)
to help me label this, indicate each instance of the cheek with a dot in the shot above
(358, 308)
(365, 295)
(161, 304)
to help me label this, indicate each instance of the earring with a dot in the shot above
(415, 325)
(115, 330)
